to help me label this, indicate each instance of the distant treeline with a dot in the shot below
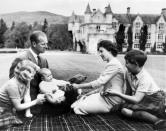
(17, 36)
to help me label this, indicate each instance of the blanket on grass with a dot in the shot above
(72, 122)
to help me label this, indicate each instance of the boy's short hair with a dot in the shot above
(109, 46)
(137, 57)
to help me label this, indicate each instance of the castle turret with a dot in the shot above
(108, 14)
(71, 22)
(87, 15)
(163, 11)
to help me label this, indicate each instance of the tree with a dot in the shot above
(45, 26)
(143, 37)
(18, 37)
(36, 26)
(120, 36)
(164, 47)
(59, 37)
(3, 29)
(13, 25)
(153, 49)
(130, 38)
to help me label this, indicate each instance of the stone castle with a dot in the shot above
(95, 26)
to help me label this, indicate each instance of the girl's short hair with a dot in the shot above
(109, 46)
(136, 57)
(25, 65)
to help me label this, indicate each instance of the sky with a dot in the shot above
(66, 7)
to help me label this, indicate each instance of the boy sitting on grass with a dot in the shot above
(147, 100)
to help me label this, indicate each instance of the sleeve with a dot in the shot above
(109, 72)
(143, 86)
(13, 92)
(41, 87)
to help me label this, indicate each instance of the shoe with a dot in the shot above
(161, 124)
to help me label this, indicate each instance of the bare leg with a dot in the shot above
(143, 115)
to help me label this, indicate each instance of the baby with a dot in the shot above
(50, 87)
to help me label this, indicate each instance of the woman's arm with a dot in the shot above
(109, 72)
(82, 86)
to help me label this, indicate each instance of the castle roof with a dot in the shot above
(126, 18)
(108, 10)
(149, 18)
(88, 10)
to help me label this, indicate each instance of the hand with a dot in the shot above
(75, 86)
(66, 87)
(40, 99)
(82, 97)
(28, 115)
(111, 92)
(60, 99)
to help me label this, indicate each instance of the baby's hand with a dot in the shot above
(61, 99)
(41, 98)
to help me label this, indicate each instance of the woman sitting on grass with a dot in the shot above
(14, 91)
(111, 78)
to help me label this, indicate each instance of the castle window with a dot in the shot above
(137, 24)
(149, 36)
(159, 46)
(98, 28)
(136, 45)
(114, 25)
(137, 35)
(161, 26)
(160, 37)
(147, 45)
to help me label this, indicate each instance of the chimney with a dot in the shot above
(128, 10)
(163, 11)
(94, 10)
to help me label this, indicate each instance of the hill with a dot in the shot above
(31, 17)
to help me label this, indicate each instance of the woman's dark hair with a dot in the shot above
(108, 45)
(136, 57)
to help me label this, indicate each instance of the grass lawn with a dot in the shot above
(66, 64)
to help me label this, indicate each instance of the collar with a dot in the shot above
(33, 53)
(139, 75)
(112, 60)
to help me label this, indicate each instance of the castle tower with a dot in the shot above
(108, 14)
(71, 22)
(87, 15)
